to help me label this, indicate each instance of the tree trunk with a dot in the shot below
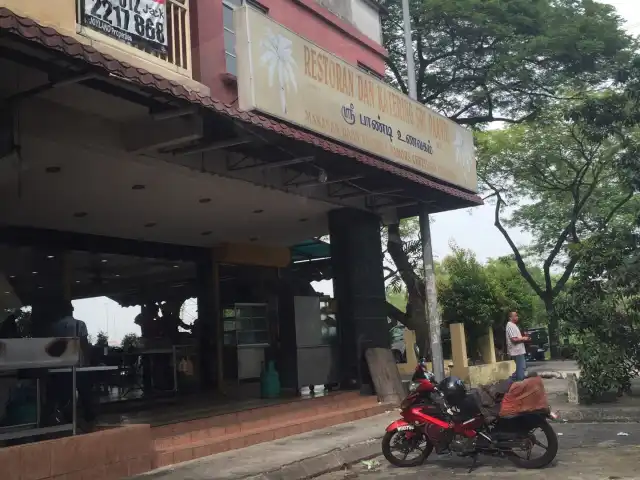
(554, 331)
(416, 316)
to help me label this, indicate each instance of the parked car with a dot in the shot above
(539, 344)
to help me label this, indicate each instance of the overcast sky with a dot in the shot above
(472, 229)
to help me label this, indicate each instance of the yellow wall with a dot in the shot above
(487, 374)
(61, 16)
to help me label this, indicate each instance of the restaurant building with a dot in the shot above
(157, 150)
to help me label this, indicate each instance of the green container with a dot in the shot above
(270, 381)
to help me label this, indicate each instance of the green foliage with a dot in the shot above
(603, 368)
(129, 341)
(483, 60)
(602, 309)
(397, 298)
(513, 292)
(566, 187)
(481, 296)
(102, 340)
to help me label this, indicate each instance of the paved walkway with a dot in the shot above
(587, 452)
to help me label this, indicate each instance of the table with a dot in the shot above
(22, 431)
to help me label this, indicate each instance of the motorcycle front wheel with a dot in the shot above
(548, 441)
(404, 444)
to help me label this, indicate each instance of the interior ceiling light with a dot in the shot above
(259, 210)
(12, 276)
(176, 266)
(204, 200)
(150, 224)
(104, 260)
(52, 169)
(50, 257)
(77, 281)
(40, 288)
(80, 214)
(138, 187)
(35, 273)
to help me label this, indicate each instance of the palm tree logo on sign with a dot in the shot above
(277, 57)
(463, 154)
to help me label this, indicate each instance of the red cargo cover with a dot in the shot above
(526, 396)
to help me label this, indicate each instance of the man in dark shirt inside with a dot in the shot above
(66, 326)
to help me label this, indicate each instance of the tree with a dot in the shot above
(130, 341)
(513, 293)
(602, 309)
(466, 295)
(481, 296)
(479, 61)
(569, 188)
(102, 340)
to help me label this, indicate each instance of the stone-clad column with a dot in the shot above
(358, 283)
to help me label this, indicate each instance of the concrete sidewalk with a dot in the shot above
(300, 456)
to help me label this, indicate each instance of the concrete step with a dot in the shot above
(243, 433)
(179, 432)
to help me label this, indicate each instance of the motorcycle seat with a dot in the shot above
(544, 411)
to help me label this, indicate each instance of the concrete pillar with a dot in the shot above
(67, 276)
(358, 285)
(210, 326)
(409, 342)
(487, 347)
(459, 350)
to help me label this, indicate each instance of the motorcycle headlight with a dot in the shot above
(413, 387)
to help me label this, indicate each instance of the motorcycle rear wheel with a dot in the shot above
(545, 459)
(387, 448)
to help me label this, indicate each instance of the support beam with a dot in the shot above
(149, 135)
(363, 194)
(270, 165)
(318, 183)
(232, 142)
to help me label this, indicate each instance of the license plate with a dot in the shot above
(405, 428)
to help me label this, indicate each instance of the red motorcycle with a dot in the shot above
(447, 418)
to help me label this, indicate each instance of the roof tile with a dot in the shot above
(49, 37)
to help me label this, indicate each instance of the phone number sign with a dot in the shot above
(141, 23)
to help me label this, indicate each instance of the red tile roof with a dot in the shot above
(49, 37)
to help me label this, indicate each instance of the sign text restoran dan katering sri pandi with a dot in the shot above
(323, 68)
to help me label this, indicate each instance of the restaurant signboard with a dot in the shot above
(283, 75)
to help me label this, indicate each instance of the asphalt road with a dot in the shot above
(587, 451)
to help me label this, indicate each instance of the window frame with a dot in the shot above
(232, 5)
(363, 67)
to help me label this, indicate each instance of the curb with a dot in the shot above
(600, 415)
(325, 463)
